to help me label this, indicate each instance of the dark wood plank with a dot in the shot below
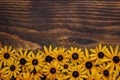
(30, 24)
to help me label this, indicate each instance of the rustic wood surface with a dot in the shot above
(30, 24)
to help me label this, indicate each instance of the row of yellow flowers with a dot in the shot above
(59, 63)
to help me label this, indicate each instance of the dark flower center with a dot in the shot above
(34, 61)
(88, 65)
(34, 71)
(12, 67)
(116, 59)
(22, 61)
(65, 66)
(106, 73)
(6, 55)
(100, 54)
(75, 74)
(13, 78)
(75, 55)
(48, 59)
(53, 70)
(60, 57)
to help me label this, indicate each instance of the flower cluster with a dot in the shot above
(59, 63)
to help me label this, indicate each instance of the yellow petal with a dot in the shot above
(32, 54)
(108, 65)
(111, 50)
(93, 51)
(112, 68)
(105, 60)
(5, 48)
(21, 52)
(86, 53)
(116, 50)
(50, 48)
(25, 53)
(46, 50)
(100, 46)
(9, 48)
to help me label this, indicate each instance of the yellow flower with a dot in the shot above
(51, 70)
(34, 61)
(75, 55)
(65, 66)
(60, 55)
(99, 54)
(21, 56)
(87, 62)
(6, 54)
(77, 72)
(47, 53)
(13, 68)
(113, 59)
(105, 72)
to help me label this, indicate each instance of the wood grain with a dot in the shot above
(30, 24)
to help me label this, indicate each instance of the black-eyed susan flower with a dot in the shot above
(6, 54)
(60, 55)
(75, 55)
(21, 56)
(105, 72)
(12, 68)
(34, 61)
(98, 54)
(51, 70)
(87, 62)
(65, 66)
(47, 53)
(113, 59)
(77, 72)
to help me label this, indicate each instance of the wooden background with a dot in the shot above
(30, 24)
